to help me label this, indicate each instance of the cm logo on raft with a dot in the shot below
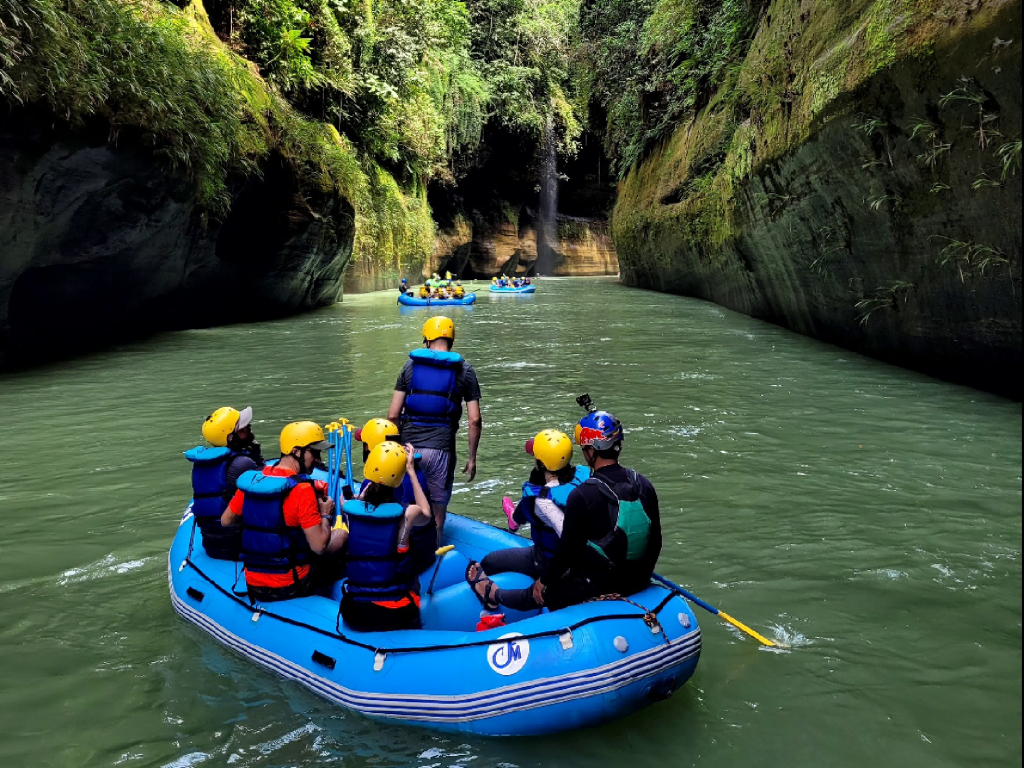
(510, 655)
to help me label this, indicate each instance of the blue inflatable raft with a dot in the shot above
(510, 289)
(544, 672)
(408, 300)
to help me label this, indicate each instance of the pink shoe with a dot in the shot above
(509, 508)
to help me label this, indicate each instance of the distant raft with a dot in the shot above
(410, 300)
(512, 289)
(542, 673)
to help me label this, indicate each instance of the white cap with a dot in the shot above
(244, 418)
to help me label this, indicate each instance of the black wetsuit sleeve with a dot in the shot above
(238, 465)
(649, 498)
(519, 515)
(572, 545)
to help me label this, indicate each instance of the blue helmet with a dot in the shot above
(600, 430)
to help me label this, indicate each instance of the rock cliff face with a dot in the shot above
(483, 250)
(873, 197)
(98, 242)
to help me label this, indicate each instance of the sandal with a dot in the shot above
(485, 598)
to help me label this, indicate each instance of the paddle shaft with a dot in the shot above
(711, 609)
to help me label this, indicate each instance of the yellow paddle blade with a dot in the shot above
(744, 628)
(445, 549)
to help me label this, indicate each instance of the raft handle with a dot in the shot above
(566, 639)
(378, 661)
(195, 594)
(324, 659)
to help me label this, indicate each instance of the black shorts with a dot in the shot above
(369, 617)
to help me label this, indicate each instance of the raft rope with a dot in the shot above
(338, 635)
(650, 619)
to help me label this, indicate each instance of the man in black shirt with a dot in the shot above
(611, 533)
(427, 405)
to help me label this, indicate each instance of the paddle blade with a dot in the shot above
(744, 628)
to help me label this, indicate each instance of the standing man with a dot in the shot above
(427, 404)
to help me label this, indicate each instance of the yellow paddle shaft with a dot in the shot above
(744, 628)
(445, 550)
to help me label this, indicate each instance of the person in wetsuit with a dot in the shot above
(611, 531)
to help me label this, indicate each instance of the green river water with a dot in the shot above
(867, 515)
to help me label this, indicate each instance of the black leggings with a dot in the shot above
(518, 560)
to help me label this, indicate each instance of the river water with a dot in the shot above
(868, 516)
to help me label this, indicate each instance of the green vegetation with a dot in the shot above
(652, 64)
(368, 99)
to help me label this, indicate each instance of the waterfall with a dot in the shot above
(547, 231)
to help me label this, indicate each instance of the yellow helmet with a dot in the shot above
(551, 448)
(303, 434)
(376, 431)
(439, 327)
(219, 425)
(386, 464)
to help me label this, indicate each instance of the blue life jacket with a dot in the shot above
(268, 544)
(545, 538)
(434, 397)
(377, 571)
(210, 495)
(422, 539)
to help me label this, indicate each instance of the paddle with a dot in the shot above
(348, 458)
(711, 609)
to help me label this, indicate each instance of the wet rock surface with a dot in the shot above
(101, 242)
(905, 247)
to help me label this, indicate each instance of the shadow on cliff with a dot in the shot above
(102, 243)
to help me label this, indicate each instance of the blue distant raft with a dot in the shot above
(544, 672)
(415, 301)
(511, 289)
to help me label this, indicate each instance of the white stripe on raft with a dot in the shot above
(467, 707)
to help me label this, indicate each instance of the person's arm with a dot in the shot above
(654, 540)
(397, 401)
(232, 514)
(573, 541)
(401, 388)
(320, 536)
(476, 424)
(420, 497)
(519, 516)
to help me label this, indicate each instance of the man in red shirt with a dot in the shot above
(286, 518)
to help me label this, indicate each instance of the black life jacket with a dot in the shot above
(268, 544)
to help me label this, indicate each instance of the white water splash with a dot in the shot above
(107, 566)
